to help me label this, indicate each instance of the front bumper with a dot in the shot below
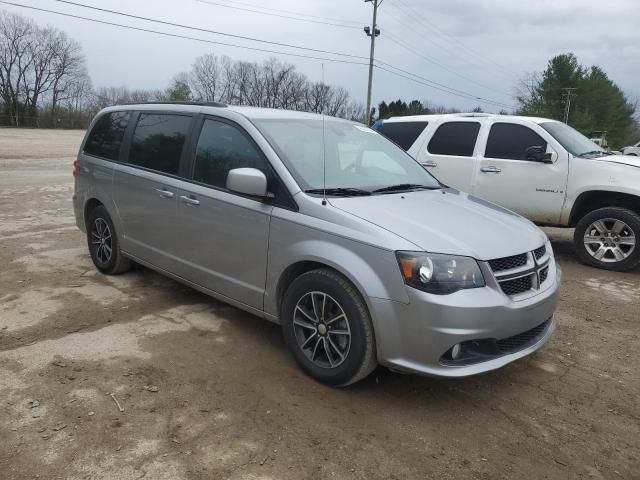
(414, 336)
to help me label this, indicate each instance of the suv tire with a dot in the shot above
(327, 328)
(607, 238)
(103, 243)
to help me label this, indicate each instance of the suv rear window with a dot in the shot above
(403, 134)
(510, 141)
(158, 140)
(106, 136)
(455, 138)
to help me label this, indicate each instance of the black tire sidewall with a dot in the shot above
(355, 358)
(628, 217)
(108, 267)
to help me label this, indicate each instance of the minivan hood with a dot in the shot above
(448, 221)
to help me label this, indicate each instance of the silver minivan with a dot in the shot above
(323, 226)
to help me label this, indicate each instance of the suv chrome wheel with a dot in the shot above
(101, 240)
(609, 240)
(321, 329)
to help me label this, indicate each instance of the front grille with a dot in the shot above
(539, 252)
(544, 273)
(517, 342)
(517, 285)
(507, 263)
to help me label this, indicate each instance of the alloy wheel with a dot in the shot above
(101, 240)
(321, 329)
(609, 240)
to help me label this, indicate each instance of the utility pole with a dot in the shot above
(372, 32)
(567, 104)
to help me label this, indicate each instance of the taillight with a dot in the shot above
(75, 168)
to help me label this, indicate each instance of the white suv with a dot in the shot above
(632, 150)
(540, 168)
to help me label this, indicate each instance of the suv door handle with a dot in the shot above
(429, 164)
(164, 193)
(490, 169)
(189, 200)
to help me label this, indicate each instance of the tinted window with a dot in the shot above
(455, 138)
(223, 147)
(404, 134)
(106, 136)
(507, 140)
(158, 140)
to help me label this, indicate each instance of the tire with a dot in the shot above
(103, 243)
(353, 355)
(609, 236)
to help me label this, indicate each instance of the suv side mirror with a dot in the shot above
(248, 181)
(537, 153)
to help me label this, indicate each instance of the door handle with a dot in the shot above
(164, 193)
(190, 200)
(429, 164)
(490, 169)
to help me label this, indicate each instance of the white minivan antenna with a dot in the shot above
(324, 150)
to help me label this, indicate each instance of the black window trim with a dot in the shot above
(425, 124)
(486, 143)
(288, 203)
(475, 145)
(122, 142)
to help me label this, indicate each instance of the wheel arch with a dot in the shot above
(595, 199)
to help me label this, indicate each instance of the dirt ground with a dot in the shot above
(209, 392)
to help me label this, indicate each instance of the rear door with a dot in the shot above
(531, 188)
(146, 186)
(450, 154)
(223, 236)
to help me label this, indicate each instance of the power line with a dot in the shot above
(244, 9)
(215, 32)
(184, 37)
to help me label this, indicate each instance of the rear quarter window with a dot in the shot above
(106, 136)
(455, 139)
(403, 134)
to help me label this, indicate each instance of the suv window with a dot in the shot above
(106, 136)
(223, 147)
(510, 141)
(404, 134)
(455, 138)
(158, 141)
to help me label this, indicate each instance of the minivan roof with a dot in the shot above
(425, 118)
(213, 108)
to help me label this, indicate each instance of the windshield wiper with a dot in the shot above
(594, 152)
(402, 187)
(340, 192)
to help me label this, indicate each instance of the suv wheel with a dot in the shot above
(607, 238)
(327, 327)
(103, 243)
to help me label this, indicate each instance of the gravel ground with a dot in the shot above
(208, 391)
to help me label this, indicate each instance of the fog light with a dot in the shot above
(455, 351)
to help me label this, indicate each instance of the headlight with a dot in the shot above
(439, 274)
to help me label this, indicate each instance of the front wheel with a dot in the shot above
(327, 328)
(607, 238)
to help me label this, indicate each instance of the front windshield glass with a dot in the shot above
(575, 143)
(356, 157)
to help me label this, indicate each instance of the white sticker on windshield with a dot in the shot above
(365, 129)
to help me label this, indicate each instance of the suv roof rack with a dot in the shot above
(197, 104)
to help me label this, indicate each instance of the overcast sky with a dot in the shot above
(479, 47)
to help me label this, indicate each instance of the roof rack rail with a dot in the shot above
(196, 104)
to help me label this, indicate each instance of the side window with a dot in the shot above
(510, 141)
(403, 134)
(223, 147)
(158, 141)
(455, 138)
(106, 136)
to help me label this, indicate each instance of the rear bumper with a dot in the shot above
(413, 337)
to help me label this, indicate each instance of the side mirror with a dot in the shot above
(537, 153)
(247, 181)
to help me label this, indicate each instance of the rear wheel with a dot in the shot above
(607, 238)
(103, 243)
(327, 328)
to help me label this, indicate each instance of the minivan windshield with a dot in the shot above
(572, 140)
(359, 161)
